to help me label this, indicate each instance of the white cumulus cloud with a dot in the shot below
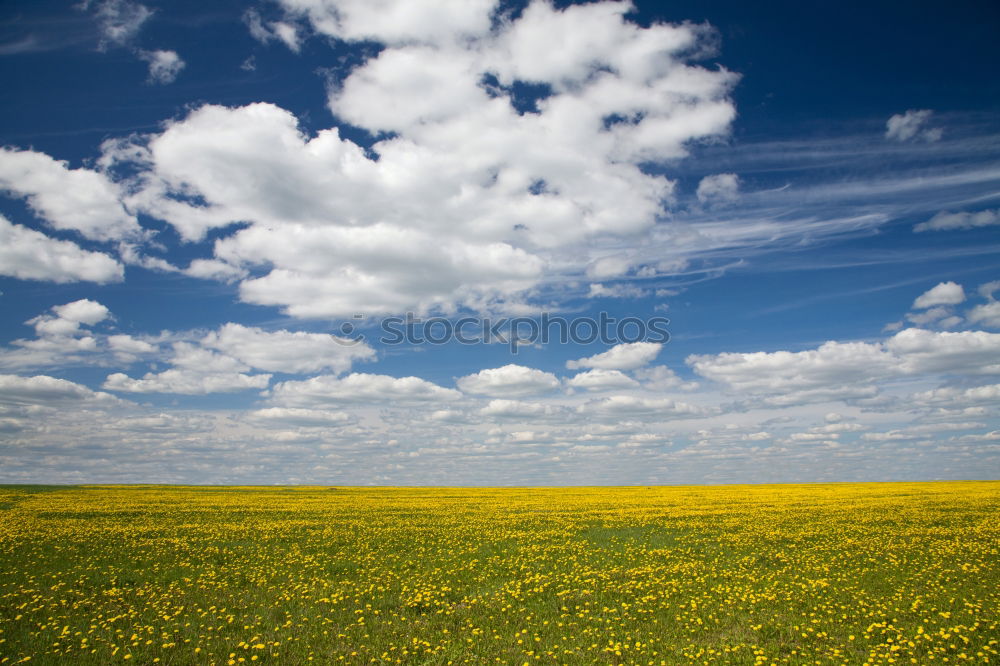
(655, 408)
(602, 380)
(83, 311)
(850, 369)
(48, 391)
(718, 188)
(119, 20)
(394, 21)
(957, 397)
(911, 126)
(68, 199)
(947, 221)
(265, 32)
(296, 416)
(164, 65)
(517, 409)
(470, 190)
(509, 381)
(186, 381)
(359, 387)
(945, 293)
(987, 314)
(126, 344)
(196, 371)
(27, 254)
(626, 356)
(287, 351)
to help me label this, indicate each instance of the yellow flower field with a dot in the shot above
(905, 573)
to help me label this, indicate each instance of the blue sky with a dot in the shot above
(209, 211)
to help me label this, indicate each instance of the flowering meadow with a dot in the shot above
(905, 573)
